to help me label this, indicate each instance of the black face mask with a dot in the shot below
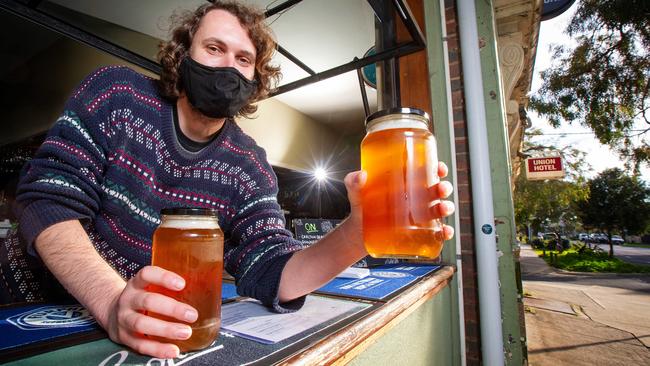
(217, 92)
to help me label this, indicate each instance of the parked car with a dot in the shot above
(616, 239)
(598, 238)
(583, 237)
(549, 236)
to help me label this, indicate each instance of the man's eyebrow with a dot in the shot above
(248, 54)
(213, 39)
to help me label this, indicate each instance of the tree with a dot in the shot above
(616, 203)
(545, 203)
(603, 82)
(548, 202)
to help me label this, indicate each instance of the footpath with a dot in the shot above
(583, 318)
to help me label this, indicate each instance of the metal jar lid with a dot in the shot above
(405, 117)
(188, 211)
(398, 111)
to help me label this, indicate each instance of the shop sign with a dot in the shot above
(544, 168)
(553, 8)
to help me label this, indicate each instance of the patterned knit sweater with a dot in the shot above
(112, 160)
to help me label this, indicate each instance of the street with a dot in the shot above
(584, 318)
(629, 254)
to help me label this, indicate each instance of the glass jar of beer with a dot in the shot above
(399, 155)
(189, 243)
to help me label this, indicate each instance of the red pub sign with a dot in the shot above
(544, 168)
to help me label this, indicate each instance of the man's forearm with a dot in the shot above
(70, 256)
(311, 268)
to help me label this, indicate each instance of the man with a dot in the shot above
(127, 146)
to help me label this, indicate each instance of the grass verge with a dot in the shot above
(636, 245)
(590, 261)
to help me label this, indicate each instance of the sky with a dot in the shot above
(599, 156)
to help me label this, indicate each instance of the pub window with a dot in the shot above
(39, 68)
(119, 23)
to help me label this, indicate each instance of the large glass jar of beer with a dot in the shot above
(399, 155)
(189, 242)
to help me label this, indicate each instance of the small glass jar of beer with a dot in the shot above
(189, 243)
(399, 155)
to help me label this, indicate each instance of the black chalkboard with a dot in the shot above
(309, 231)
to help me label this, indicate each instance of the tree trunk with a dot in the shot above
(611, 249)
(611, 245)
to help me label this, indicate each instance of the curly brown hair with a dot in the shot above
(173, 51)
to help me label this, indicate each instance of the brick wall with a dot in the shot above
(464, 209)
(415, 93)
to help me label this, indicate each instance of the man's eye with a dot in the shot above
(244, 61)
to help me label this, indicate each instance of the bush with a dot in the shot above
(537, 243)
(584, 259)
(566, 244)
(550, 243)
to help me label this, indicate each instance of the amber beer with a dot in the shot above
(399, 155)
(189, 242)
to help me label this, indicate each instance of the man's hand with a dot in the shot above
(314, 266)
(128, 322)
(117, 305)
(355, 181)
(443, 208)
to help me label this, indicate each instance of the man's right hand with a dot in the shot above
(128, 322)
(118, 306)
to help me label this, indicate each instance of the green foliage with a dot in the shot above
(603, 82)
(636, 245)
(616, 203)
(537, 243)
(540, 202)
(592, 261)
(546, 202)
(566, 244)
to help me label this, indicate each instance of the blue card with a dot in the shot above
(383, 282)
(228, 291)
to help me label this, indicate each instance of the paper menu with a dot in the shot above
(249, 319)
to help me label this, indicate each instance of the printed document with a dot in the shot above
(249, 319)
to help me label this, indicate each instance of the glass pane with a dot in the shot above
(133, 25)
(39, 69)
(322, 34)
